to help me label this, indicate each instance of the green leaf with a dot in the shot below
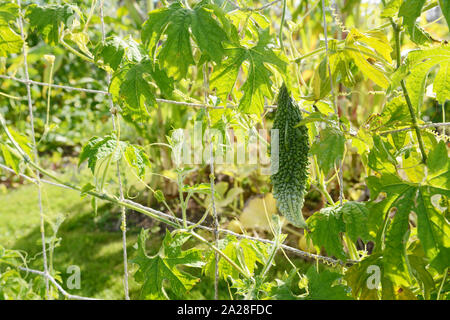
(329, 149)
(416, 69)
(314, 117)
(162, 269)
(441, 84)
(281, 289)
(49, 20)
(394, 254)
(86, 188)
(203, 188)
(100, 148)
(9, 12)
(369, 272)
(355, 216)
(438, 158)
(115, 49)
(391, 9)
(358, 277)
(134, 85)
(257, 85)
(245, 253)
(179, 24)
(432, 227)
(325, 228)
(10, 41)
(410, 10)
(321, 85)
(23, 141)
(137, 158)
(381, 156)
(11, 159)
(159, 195)
(325, 286)
(419, 263)
(445, 8)
(395, 113)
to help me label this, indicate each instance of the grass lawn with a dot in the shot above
(93, 244)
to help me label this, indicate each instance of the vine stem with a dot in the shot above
(56, 284)
(150, 212)
(116, 127)
(397, 31)
(442, 284)
(35, 151)
(283, 15)
(222, 254)
(163, 217)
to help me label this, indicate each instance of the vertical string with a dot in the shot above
(340, 175)
(35, 152)
(212, 183)
(119, 178)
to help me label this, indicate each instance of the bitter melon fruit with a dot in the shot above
(289, 181)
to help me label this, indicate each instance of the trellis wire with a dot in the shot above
(212, 183)
(295, 251)
(428, 125)
(159, 100)
(33, 139)
(265, 6)
(325, 32)
(119, 179)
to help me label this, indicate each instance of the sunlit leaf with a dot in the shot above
(322, 286)
(410, 10)
(135, 86)
(156, 272)
(49, 20)
(100, 148)
(115, 50)
(329, 149)
(10, 41)
(180, 24)
(258, 84)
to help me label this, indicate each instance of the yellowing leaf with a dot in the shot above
(254, 213)
(369, 70)
(10, 41)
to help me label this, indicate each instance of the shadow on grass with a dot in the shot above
(92, 244)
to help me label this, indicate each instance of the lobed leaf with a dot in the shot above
(49, 20)
(10, 41)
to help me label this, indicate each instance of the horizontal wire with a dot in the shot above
(267, 5)
(159, 100)
(53, 85)
(428, 125)
(176, 219)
